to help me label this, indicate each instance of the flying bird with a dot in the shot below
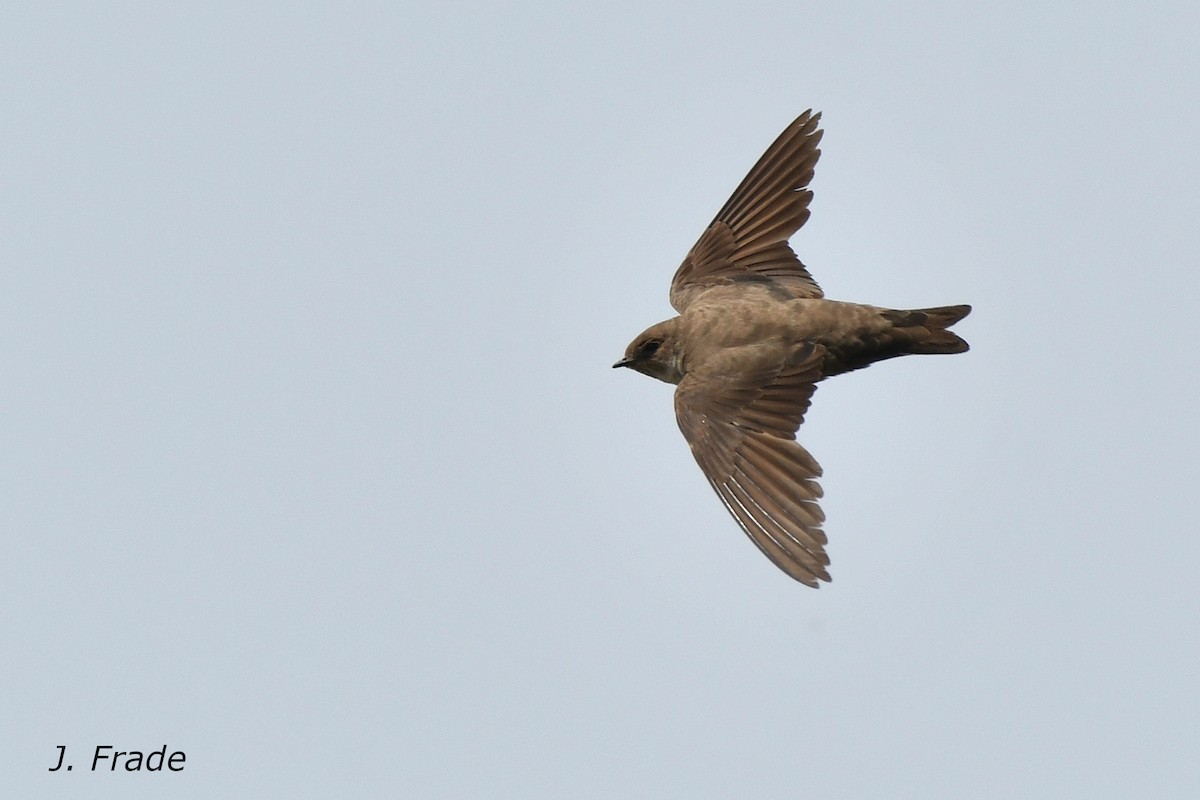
(753, 338)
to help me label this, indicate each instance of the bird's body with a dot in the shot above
(754, 336)
(853, 335)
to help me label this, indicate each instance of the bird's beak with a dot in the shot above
(624, 362)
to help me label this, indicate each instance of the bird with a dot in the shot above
(753, 337)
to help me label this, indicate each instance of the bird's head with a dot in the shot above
(656, 352)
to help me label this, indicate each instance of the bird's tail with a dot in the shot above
(928, 329)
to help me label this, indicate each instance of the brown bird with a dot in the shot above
(753, 337)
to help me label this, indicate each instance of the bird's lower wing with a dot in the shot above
(741, 427)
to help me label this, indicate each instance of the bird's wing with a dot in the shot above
(747, 240)
(741, 425)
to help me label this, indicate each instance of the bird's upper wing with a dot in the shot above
(741, 425)
(747, 240)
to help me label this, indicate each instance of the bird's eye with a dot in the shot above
(649, 348)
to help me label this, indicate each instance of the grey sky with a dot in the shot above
(315, 469)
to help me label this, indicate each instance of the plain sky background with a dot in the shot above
(314, 466)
